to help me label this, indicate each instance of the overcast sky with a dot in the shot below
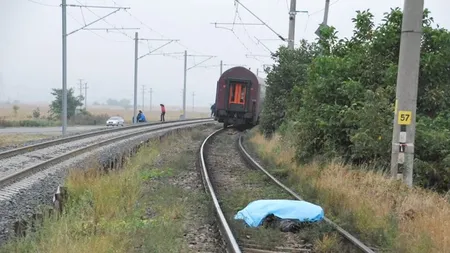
(30, 43)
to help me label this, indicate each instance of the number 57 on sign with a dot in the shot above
(404, 117)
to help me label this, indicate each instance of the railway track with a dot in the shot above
(28, 148)
(20, 163)
(219, 177)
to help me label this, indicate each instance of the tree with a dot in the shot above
(112, 102)
(36, 113)
(289, 71)
(72, 103)
(340, 102)
(125, 103)
(15, 109)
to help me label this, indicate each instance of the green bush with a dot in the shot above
(338, 95)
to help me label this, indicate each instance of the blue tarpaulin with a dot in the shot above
(255, 212)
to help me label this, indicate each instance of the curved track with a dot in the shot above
(231, 240)
(23, 162)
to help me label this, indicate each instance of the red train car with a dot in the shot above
(239, 97)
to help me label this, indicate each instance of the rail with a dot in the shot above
(342, 231)
(29, 148)
(9, 179)
(225, 229)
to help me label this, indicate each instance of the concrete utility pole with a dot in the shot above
(257, 72)
(85, 96)
(221, 67)
(81, 86)
(325, 15)
(292, 13)
(406, 93)
(143, 96)
(64, 68)
(136, 40)
(64, 49)
(136, 58)
(185, 75)
(151, 102)
(184, 84)
(193, 100)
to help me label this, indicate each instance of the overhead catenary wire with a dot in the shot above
(154, 31)
(43, 4)
(319, 11)
(265, 24)
(104, 20)
(92, 31)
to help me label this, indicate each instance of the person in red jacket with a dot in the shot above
(163, 112)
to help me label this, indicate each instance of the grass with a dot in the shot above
(383, 212)
(15, 139)
(135, 209)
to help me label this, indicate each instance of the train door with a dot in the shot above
(237, 94)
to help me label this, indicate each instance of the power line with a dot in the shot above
(318, 11)
(103, 18)
(153, 30)
(96, 34)
(43, 4)
(64, 6)
(245, 29)
(265, 24)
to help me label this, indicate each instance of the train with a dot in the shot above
(239, 97)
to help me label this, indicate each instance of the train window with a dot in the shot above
(232, 92)
(242, 97)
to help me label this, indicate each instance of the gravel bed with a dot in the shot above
(201, 231)
(21, 199)
(236, 185)
(13, 164)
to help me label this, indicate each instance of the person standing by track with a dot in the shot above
(163, 112)
(213, 110)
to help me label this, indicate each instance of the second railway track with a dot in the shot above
(229, 175)
(29, 160)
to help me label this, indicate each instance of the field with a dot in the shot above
(25, 112)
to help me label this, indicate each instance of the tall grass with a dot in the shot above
(383, 212)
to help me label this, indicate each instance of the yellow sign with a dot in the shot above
(404, 117)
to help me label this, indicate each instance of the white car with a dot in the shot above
(115, 121)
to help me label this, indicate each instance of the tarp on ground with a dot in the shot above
(255, 212)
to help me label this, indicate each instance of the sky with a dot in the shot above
(31, 43)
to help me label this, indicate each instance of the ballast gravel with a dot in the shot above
(21, 199)
(13, 164)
